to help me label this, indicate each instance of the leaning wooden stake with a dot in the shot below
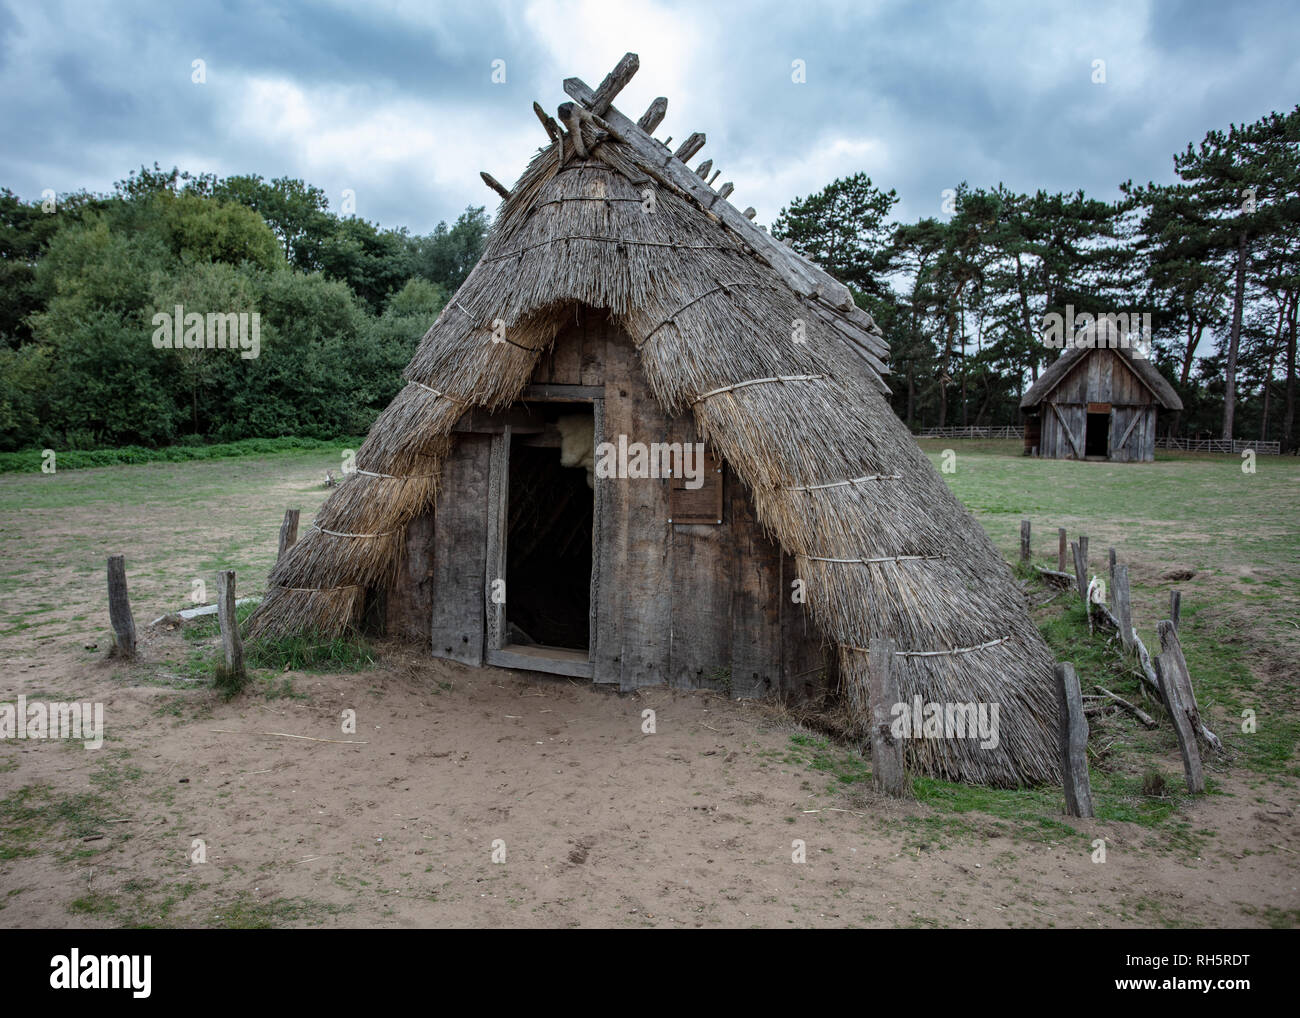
(1025, 549)
(886, 751)
(288, 532)
(1167, 673)
(119, 609)
(1060, 549)
(1073, 743)
(1110, 592)
(230, 641)
(1123, 605)
(1171, 645)
(1175, 607)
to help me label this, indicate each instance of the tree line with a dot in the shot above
(1213, 258)
(342, 306)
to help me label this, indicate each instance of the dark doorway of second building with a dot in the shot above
(1098, 441)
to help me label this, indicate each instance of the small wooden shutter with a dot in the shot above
(702, 504)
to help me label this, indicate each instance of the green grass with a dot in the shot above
(30, 460)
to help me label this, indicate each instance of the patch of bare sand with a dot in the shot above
(602, 825)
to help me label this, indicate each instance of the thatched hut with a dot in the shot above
(1097, 401)
(621, 297)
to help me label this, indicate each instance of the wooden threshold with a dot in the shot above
(536, 657)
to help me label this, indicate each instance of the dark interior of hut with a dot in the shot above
(1097, 442)
(548, 539)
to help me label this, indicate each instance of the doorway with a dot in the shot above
(548, 546)
(1097, 442)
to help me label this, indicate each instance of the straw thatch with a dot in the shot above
(710, 306)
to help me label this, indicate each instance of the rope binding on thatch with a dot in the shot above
(337, 533)
(935, 653)
(622, 241)
(756, 381)
(695, 300)
(840, 484)
(868, 561)
(393, 477)
(436, 392)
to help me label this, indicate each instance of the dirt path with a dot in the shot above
(602, 825)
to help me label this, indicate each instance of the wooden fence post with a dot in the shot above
(1073, 743)
(1123, 605)
(1060, 549)
(1171, 645)
(1080, 570)
(1025, 552)
(1166, 666)
(1175, 607)
(288, 532)
(887, 772)
(1110, 592)
(230, 641)
(119, 609)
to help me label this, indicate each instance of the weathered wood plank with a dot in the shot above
(119, 609)
(1026, 552)
(288, 532)
(646, 578)
(887, 772)
(654, 115)
(408, 604)
(231, 644)
(1171, 645)
(1080, 570)
(1123, 605)
(459, 569)
(1166, 666)
(498, 517)
(1175, 607)
(1061, 541)
(1073, 736)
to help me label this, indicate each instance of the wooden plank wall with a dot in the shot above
(460, 537)
(1101, 377)
(687, 605)
(692, 606)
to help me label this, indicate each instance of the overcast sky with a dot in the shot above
(394, 99)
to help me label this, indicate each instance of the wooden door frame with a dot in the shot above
(496, 621)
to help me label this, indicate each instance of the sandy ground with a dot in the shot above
(602, 825)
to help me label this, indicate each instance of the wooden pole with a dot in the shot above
(1080, 570)
(119, 609)
(1060, 549)
(1123, 605)
(1167, 673)
(887, 772)
(1025, 550)
(1073, 743)
(615, 81)
(690, 146)
(1110, 593)
(1083, 551)
(288, 532)
(1175, 607)
(654, 115)
(495, 184)
(1172, 646)
(229, 622)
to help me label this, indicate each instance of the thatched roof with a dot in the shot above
(885, 548)
(1092, 339)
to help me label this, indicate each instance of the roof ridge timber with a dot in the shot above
(803, 276)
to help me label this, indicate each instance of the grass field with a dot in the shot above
(1228, 540)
